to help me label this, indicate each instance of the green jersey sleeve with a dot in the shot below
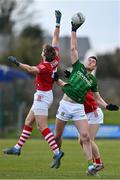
(94, 87)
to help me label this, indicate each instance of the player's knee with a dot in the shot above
(80, 141)
(85, 138)
(29, 122)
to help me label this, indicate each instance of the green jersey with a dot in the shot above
(79, 83)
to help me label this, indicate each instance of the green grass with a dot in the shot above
(111, 117)
(34, 162)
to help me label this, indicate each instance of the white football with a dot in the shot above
(78, 18)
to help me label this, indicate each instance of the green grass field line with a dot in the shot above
(35, 160)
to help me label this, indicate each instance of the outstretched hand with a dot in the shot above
(58, 15)
(13, 60)
(112, 107)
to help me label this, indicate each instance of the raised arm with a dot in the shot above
(30, 69)
(55, 41)
(74, 51)
(25, 67)
(76, 21)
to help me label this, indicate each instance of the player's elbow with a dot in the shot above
(99, 101)
(73, 49)
(33, 70)
(74, 55)
(30, 69)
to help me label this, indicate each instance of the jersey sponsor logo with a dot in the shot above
(89, 82)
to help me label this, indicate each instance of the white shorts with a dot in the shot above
(42, 102)
(73, 111)
(95, 117)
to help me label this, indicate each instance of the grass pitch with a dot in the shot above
(35, 160)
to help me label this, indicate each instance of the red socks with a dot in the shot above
(49, 137)
(24, 136)
(97, 161)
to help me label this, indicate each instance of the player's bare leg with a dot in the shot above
(93, 129)
(59, 128)
(83, 129)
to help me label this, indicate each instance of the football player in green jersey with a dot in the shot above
(71, 106)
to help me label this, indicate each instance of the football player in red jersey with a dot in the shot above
(95, 118)
(43, 96)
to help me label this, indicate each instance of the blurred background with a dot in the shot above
(26, 25)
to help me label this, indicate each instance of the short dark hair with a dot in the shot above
(94, 57)
(49, 52)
